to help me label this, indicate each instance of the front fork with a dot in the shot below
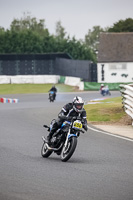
(67, 138)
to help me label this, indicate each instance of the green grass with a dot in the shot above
(110, 110)
(33, 88)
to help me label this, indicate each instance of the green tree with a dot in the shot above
(60, 31)
(28, 35)
(29, 23)
(122, 26)
(91, 39)
(2, 39)
(78, 50)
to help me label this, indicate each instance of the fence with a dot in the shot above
(127, 100)
(47, 64)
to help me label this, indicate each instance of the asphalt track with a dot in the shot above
(100, 169)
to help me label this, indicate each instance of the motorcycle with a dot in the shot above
(64, 140)
(105, 92)
(51, 96)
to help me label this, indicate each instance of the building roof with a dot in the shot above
(115, 47)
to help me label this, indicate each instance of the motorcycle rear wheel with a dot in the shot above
(68, 151)
(45, 152)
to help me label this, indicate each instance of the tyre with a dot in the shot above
(68, 151)
(51, 99)
(45, 152)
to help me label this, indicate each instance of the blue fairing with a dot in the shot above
(51, 92)
(64, 123)
(72, 135)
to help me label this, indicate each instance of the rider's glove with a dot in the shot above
(69, 118)
(63, 117)
(85, 127)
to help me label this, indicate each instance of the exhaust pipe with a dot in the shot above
(51, 148)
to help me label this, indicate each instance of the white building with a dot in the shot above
(115, 58)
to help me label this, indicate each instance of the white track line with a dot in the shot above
(111, 134)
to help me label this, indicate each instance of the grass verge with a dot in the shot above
(33, 88)
(107, 112)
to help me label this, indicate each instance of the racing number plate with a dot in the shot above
(77, 124)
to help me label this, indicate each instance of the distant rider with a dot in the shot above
(53, 89)
(102, 89)
(70, 110)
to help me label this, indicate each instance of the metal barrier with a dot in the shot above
(127, 99)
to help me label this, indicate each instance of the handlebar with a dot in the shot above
(45, 126)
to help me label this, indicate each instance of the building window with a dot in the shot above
(118, 66)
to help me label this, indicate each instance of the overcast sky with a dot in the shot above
(76, 16)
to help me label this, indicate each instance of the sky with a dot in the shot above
(76, 16)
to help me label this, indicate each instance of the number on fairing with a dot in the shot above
(77, 124)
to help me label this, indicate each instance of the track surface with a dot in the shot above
(100, 169)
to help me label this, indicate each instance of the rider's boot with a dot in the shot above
(49, 139)
(54, 128)
(50, 136)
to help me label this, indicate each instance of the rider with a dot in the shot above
(53, 89)
(70, 110)
(102, 89)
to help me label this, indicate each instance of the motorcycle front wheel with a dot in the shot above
(45, 152)
(68, 151)
(51, 99)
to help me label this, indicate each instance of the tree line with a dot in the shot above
(28, 35)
